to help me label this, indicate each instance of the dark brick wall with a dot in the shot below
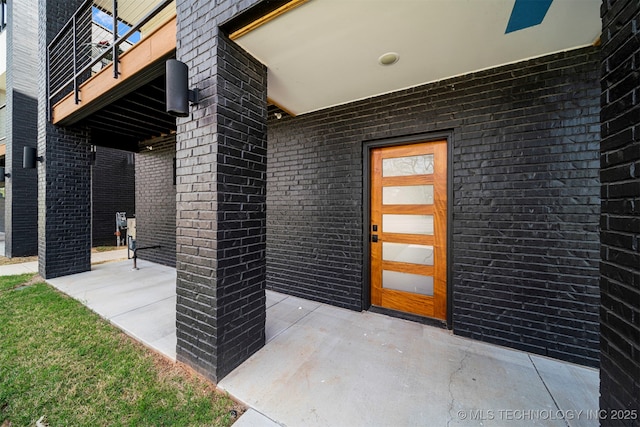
(156, 201)
(526, 200)
(21, 238)
(64, 225)
(64, 178)
(620, 222)
(221, 185)
(113, 190)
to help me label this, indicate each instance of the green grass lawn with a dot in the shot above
(107, 248)
(60, 360)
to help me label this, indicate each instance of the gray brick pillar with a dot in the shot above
(21, 231)
(64, 177)
(620, 221)
(221, 194)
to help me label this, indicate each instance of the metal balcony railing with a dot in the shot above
(95, 36)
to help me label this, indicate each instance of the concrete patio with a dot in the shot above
(325, 366)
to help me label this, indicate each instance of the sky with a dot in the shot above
(106, 20)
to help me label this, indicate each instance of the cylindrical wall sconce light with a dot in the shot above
(30, 157)
(178, 94)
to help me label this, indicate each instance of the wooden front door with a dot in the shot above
(409, 228)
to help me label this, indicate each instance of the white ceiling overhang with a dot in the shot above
(325, 52)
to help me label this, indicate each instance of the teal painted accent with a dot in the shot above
(527, 13)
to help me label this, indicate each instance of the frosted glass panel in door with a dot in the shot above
(407, 166)
(408, 195)
(407, 282)
(402, 252)
(407, 224)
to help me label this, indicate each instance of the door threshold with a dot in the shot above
(430, 321)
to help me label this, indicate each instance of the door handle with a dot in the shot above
(374, 238)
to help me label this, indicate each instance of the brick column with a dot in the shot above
(221, 187)
(64, 177)
(620, 222)
(21, 231)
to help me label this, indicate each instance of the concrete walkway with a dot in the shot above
(13, 269)
(32, 266)
(325, 366)
(140, 302)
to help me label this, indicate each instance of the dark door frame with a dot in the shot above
(367, 146)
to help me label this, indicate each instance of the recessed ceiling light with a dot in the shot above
(388, 58)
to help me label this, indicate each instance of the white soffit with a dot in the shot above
(325, 52)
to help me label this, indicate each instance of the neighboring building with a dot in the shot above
(113, 172)
(439, 161)
(19, 44)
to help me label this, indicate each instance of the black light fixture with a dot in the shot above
(178, 93)
(3, 175)
(30, 157)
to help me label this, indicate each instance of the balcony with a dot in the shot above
(109, 50)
